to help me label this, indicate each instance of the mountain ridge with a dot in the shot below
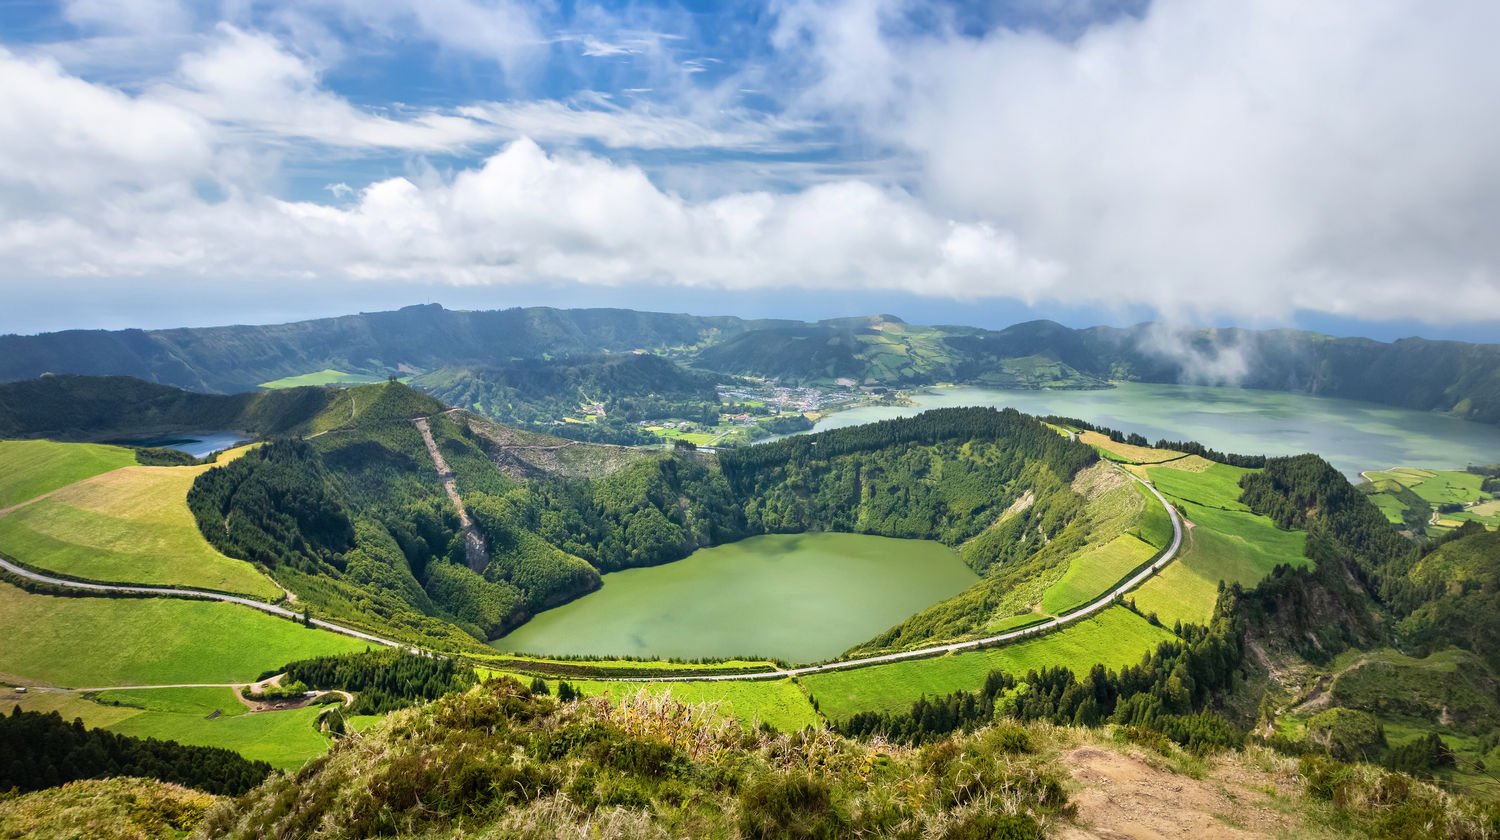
(1459, 378)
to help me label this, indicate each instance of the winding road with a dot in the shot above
(1102, 602)
(193, 594)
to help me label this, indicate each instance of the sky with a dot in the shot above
(1259, 163)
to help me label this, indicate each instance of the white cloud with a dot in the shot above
(525, 215)
(132, 16)
(1245, 158)
(642, 126)
(248, 81)
(63, 138)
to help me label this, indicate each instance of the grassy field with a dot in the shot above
(94, 642)
(780, 703)
(1126, 452)
(30, 468)
(1092, 573)
(1436, 487)
(130, 525)
(1114, 637)
(695, 438)
(285, 739)
(1224, 542)
(1394, 489)
(1155, 526)
(1216, 486)
(324, 377)
(1390, 506)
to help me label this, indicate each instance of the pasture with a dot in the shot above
(780, 703)
(328, 376)
(130, 525)
(1224, 541)
(98, 642)
(1117, 451)
(1436, 487)
(31, 468)
(1217, 485)
(1095, 571)
(187, 715)
(1114, 637)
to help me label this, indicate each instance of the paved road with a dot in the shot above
(192, 593)
(1095, 606)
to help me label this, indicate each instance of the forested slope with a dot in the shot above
(95, 407)
(1449, 376)
(355, 519)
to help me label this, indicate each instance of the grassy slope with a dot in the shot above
(108, 809)
(285, 739)
(130, 525)
(148, 641)
(1117, 451)
(1091, 573)
(29, 468)
(781, 703)
(327, 376)
(1226, 542)
(1435, 487)
(1114, 637)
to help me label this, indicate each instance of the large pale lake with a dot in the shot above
(1353, 436)
(802, 598)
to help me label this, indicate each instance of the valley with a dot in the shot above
(911, 569)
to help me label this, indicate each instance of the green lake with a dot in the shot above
(797, 597)
(1353, 436)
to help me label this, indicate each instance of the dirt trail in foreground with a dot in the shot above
(1122, 796)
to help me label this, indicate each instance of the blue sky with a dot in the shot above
(1261, 163)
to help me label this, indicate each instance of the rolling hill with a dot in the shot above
(1455, 377)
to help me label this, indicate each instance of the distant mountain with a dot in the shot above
(413, 339)
(1449, 376)
(93, 407)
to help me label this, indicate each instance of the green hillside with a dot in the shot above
(32, 468)
(98, 407)
(1448, 376)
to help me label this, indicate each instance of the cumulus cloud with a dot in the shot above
(1246, 158)
(62, 137)
(525, 215)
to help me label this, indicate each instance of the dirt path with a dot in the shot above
(1122, 796)
(474, 549)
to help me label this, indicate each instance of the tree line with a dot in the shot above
(382, 681)
(41, 750)
(1172, 691)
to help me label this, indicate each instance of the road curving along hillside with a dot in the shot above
(192, 594)
(1100, 603)
(1092, 607)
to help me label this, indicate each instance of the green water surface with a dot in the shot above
(797, 597)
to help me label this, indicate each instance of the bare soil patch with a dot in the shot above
(1123, 796)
